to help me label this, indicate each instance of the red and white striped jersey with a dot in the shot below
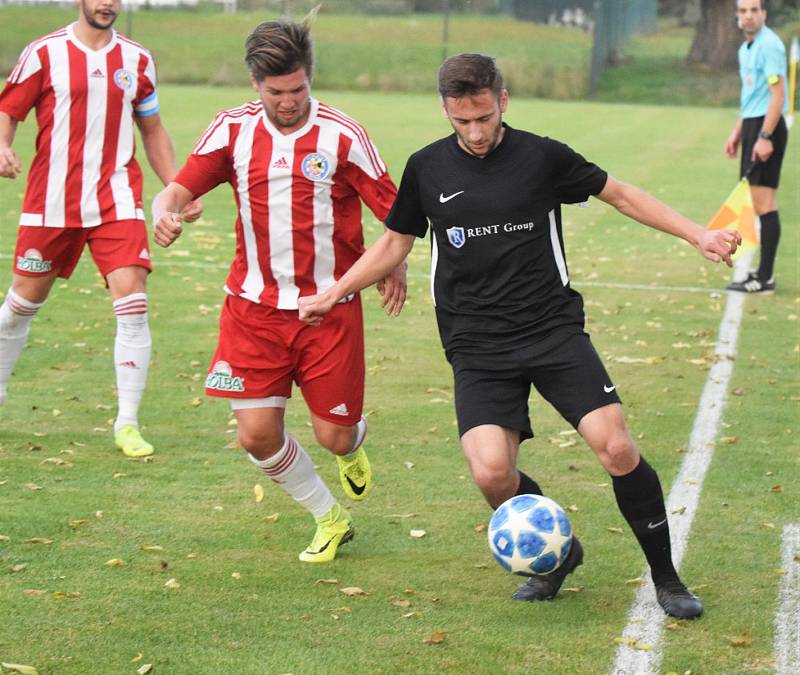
(84, 172)
(298, 195)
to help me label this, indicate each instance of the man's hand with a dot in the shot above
(192, 211)
(717, 245)
(762, 150)
(732, 144)
(10, 165)
(314, 307)
(167, 229)
(393, 289)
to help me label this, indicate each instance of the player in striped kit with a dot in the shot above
(299, 170)
(88, 85)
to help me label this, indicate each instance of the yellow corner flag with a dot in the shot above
(737, 213)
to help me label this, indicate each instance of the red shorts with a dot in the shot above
(262, 350)
(43, 250)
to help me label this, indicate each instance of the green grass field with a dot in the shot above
(244, 603)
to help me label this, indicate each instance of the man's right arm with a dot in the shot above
(732, 144)
(378, 260)
(167, 207)
(10, 165)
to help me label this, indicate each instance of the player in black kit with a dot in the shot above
(507, 315)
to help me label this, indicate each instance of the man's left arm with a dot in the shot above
(762, 150)
(161, 157)
(716, 245)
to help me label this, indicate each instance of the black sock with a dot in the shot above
(641, 501)
(527, 486)
(770, 236)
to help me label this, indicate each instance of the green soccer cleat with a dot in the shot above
(333, 529)
(355, 475)
(129, 439)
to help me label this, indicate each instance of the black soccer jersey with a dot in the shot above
(498, 271)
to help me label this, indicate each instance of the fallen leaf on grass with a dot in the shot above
(146, 668)
(32, 486)
(137, 658)
(417, 534)
(480, 527)
(34, 592)
(271, 518)
(743, 640)
(19, 668)
(119, 474)
(680, 510)
(327, 581)
(258, 490)
(399, 602)
(152, 549)
(66, 594)
(18, 567)
(172, 583)
(57, 461)
(4, 538)
(572, 589)
(38, 540)
(115, 562)
(352, 591)
(776, 488)
(408, 465)
(76, 523)
(728, 440)
(401, 515)
(633, 643)
(408, 615)
(436, 638)
(638, 581)
(236, 575)
(614, 530)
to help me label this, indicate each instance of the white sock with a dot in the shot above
(16, 314)
(132, 346)
(361, 434)
(293, 470)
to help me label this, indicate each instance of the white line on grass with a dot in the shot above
(787, 620)
(646, 618)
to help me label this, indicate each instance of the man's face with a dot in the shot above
(100, 14)
(750, 16)
(286, 99)
(477, 120)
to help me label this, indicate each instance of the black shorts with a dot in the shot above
(494, 388)
(766, 174)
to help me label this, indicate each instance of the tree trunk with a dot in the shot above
(717, 37)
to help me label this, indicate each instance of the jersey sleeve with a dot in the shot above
(368, 176)
(575, 179)
(775, 61)
(407, 216)
(24, 85)
(210, 163)
(146, 102)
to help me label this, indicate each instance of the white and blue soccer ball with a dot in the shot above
(530, 534)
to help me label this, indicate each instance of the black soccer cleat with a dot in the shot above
(678, 601)
(546, 586)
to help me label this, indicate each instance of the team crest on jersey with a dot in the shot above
(123, 79)
(315, 166)
(455, 235)
(32, 261)
(221, 378)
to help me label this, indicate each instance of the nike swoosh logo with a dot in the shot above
(653, 526)
(608, 390)
(327, 543)
(443, 199)
(358, 489)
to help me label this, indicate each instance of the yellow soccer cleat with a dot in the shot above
(333, 529)
(355, 474)
(129, 439)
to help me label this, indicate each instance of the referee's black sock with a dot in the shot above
(527, 486)
(641, 501)
(770, 236)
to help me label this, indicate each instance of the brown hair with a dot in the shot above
(279, 48)
(469, 74)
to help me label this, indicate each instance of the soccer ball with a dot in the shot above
(530, 534)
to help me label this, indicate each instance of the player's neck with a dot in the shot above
(91, 37)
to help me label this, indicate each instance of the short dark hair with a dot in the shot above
(469, 74)
(279, 48)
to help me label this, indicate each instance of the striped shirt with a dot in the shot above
(298, 197)
(84, 172)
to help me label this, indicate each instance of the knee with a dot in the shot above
(490, 476)
(261, 443)
(619, 455)
(339, 440)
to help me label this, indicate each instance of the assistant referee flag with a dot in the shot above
(737, 213)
